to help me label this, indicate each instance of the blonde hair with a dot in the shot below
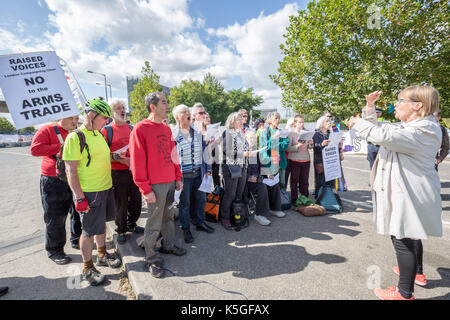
(428, 95)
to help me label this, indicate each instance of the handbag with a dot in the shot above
(319, 168)
(235, 171)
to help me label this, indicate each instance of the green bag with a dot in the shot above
(304, 201)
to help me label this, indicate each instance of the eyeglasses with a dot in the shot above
(399, 101)
(245, 116)
(201, 113)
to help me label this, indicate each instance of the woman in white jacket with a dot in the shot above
(405, 185)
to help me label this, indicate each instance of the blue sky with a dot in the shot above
(237, 41)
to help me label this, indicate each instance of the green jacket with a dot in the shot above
(265, 156)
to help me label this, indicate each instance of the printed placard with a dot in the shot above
(35, 88)
(331, 163)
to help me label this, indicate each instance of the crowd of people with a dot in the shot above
(103, 170)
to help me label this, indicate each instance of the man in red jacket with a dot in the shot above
(156, 171)
(56, 195)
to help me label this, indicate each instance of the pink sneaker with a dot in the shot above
(390, 294)
(420, 279)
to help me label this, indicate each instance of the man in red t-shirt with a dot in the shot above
(126, 193)
(156, 171)
(56, 196)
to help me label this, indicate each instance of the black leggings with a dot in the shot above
(409, 258)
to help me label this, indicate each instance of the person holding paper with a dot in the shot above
(156, 171)
(405, 185)
(273, 159)
(299, 160)
(126, 194)
(191, 147)
(234, 168)
(321, 139)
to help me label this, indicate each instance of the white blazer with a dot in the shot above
(405, 185)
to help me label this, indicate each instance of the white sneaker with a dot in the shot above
(279, 214)
(262, 220)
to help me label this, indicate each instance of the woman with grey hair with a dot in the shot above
(191, 147)
(320, 140)
(273, 161)
(234, 168)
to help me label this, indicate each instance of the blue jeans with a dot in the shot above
(190, 187)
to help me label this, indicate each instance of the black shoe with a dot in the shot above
(188, 238)
(205, 227)
(3, 291)
(75, 245)
(175, 251)
(61, 258)
(156, 269)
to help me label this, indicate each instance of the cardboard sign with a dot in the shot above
(35, 88)
(331, 163)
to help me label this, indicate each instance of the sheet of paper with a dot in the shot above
(335, 138)
(212, 130)
(284, 133)
(176, 198)
(259, 150)
(206, 185)
(305, 135)
(272, 182)
(122, 150)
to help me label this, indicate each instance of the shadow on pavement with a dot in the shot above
(66, 288)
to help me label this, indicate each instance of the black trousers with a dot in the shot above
(268, 198)
(128, 200)
(57, 202)
(410, 262)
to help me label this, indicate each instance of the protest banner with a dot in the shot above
(331, 163)
(35, 88)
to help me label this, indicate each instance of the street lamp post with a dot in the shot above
(110, 90)
(104, 75)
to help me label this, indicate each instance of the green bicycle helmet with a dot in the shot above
(99, 106)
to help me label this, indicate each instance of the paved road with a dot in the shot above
(337, 256)
(24, 266)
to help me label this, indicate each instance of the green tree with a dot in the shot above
(6, 126)
(245, 99)
(211, 93)
(147, 83)
(27, 130)
(337, 51)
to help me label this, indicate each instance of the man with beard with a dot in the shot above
(126, 193)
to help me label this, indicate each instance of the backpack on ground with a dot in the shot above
(329, 199)
(239, 216)
(212, 206)
(109, 133)
(60, 165)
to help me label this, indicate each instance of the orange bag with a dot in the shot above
(212, 207)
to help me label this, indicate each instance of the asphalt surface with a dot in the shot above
(337, 256)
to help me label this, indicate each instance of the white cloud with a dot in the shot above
(255, 47)
(115, 37)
